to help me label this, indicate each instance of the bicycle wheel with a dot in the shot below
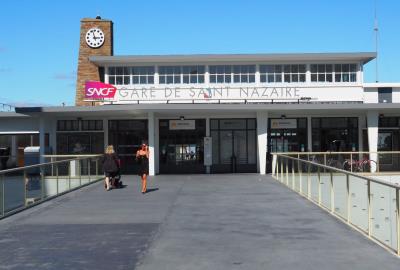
(347, 165)
(367, 164)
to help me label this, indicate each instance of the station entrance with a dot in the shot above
(181, 146)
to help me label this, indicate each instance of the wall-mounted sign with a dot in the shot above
(99, 90)
(128, 94)
(283, 123)
(182, 124)
(207, 151)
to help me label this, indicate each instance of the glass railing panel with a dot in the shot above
(358, 202)
(13, 191)
(314, 182)
(325, 187)
(383, 214)
(297, 174)
(340, 194)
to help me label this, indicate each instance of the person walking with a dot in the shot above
(142, 156)
(110, 166)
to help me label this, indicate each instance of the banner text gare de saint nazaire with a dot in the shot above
(97, 90)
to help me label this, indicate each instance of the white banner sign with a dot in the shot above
(182, 124)
(283, 123)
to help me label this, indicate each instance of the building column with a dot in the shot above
(372, 122)
(262, 131)
(151, 143)
(309, 134)
(42, 144)
(105, 130)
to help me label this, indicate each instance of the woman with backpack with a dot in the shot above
(110, 166)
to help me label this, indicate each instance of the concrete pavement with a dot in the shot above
(240, 221)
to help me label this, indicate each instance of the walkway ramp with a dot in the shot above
(241, 221)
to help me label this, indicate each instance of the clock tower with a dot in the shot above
(96, 38)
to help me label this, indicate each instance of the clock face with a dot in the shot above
(94, 37)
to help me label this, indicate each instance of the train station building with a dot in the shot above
(212, 113)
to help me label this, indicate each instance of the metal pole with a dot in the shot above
(319, 186)
(369, 208)
(332, 194)
(57, 178)
(42, 183)
(309, 181)
(25, 186)
(281, 170)
(89, 168)
(398, 219)
(293, 177)
(287, 172)
(300, 168)
(348, 198)
(2, 196)
(80, 171)
(325, 159)
(351, 162)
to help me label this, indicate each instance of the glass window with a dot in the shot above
(345, 73)
(67, 125)
(271, 73)
(220, 74)
(142, 75)
(294, 73)
(193, 74)
(170, 74)
(321, 73)
(119, 75)
(244, 73)
(92, 124)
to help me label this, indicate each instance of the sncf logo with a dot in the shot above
(99, 90)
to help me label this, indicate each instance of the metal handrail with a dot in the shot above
(282, 173)
(83, 156)
(334, 152)
(38, 165)
(344, 171)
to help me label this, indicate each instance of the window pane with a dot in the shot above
(150, 79)
(314, 77)
(263, 78)
(111, 79)
(278, 78)
(213, 78)
(314, 68)
(236, 79)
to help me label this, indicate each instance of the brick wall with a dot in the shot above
(86, 69)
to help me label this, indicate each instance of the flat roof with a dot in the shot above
(365, 57)
(379, 84)
(127, 109)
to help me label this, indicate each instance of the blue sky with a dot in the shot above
(39, 39)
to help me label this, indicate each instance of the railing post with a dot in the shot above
(398, 219)
(332, 194)
(309, 181)
(319, 186)
(277, 168)
(287, 171)
(281, 179)
(369, 208)
(25, 186)
(293, 177)
(89, 161)
(348, 198)
(57, 178)
(69, 175)
(80, 171)
(325, 159)
(351, 162)
(2, 196)
(377, 162)
(42, 183)
(300, 169)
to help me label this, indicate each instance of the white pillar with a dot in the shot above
(262, 126)
(372, 122)
(42, 133)
(151, 143)
(208, 132)
(105, 130)
(14, 150)
(309, 134)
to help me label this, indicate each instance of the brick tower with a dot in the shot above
(86, 69)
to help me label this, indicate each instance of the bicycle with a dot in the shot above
(363, 165)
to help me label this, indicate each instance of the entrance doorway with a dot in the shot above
(234, 145)
(182, 146)
(127, 136)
